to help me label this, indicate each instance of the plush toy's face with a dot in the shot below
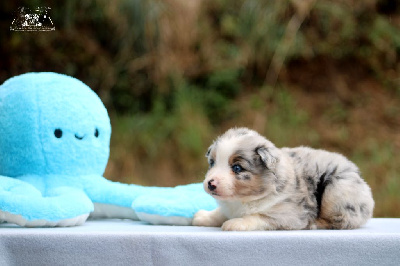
(52, 124)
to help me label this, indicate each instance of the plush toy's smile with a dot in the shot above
(79, 137)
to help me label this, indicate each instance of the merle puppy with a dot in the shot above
(261, 187)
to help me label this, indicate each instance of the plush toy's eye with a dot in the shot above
(237, 169)
(96, 133)
(58, 133)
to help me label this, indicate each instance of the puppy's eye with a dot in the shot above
(211, 162)
(96, 133)
(237, 169)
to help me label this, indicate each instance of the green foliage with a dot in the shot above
(288, 123)
(117, 47)
(220, 88)
(380, 169)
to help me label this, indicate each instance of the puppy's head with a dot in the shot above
(241, 166)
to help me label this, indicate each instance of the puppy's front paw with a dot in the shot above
(204, 218)
(240, 224)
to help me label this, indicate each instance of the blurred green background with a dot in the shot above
(174, 74)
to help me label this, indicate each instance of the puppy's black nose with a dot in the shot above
(211, 187)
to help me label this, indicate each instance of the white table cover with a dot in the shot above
(126, 242)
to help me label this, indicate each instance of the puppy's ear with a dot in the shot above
(269, 156)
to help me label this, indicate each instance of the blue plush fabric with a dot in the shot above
(54, 147)
(32, 107)
(181, 201)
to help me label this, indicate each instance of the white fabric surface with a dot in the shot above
(126, 242)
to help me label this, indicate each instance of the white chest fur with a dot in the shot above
(236, 209)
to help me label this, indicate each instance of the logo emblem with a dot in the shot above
(38, 20)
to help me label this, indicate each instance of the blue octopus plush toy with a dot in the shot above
(54, 147)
